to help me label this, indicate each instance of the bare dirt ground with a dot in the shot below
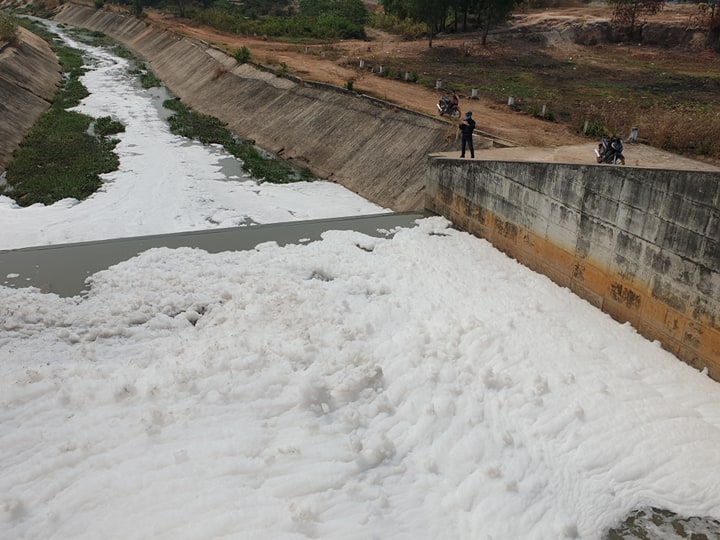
(333, 69)
(340, 64)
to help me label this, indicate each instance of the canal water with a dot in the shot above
(63, 268)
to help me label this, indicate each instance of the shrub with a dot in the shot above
(105, 125)
(8, 29)
(593, 129)
(136, 8)
(242, 55)
(406, 28)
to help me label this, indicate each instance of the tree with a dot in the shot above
(353, 11)
(400, 8)
(434, 13)
(708, 17)
(431, 12)
(629, 14)
(136, 8)
(461, 9)
(492, 12)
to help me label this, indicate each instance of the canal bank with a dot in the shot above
(29, 75)
(375, 149)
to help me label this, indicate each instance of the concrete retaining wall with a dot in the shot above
(29, 75)
(376, 150)
(641, 244)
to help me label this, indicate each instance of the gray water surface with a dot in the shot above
(63, 268)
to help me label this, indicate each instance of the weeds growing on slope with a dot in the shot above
(209, 130)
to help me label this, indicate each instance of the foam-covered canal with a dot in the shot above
(165, 183)
(494, 410)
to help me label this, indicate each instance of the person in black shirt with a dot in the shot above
(467, 127)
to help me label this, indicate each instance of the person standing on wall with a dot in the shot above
(467, 127)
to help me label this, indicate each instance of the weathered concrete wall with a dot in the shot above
(29, 75)
(641, 244)
(373, 149)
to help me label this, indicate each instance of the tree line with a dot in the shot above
(296, 19)
(455, 15)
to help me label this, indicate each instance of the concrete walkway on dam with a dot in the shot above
(636, 155)
(63, 268)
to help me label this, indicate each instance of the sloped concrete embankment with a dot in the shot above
(641, 244)
(29, 75)
(373, 149)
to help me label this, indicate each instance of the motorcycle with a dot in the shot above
(449, 107)
(610, 151)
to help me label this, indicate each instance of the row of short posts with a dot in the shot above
(633, 137)
(408, 76)
(473, 92)
(323, 54)
(381, 70)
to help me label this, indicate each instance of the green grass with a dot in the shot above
(99, 39)
(105, 126)
(58, 159)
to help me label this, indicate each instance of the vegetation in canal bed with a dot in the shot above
(204, 128)
(59, 158)
(148, 79)
(65, 152)
(210, 130)
(105, 126)
(99, 39)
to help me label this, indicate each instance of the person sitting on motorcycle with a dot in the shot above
(455, 101)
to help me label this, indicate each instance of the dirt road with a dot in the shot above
(308, 62)
(338, 64)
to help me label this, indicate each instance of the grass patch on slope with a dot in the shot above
(210, 130)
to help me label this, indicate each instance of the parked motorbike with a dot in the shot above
(449, 107)
(610, 151)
